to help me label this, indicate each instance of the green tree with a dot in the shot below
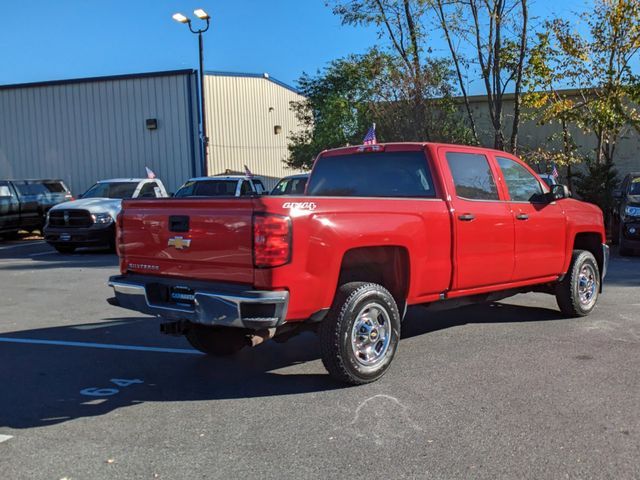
(337, 106)
(599, 64)
(494, 36)
(343, 100)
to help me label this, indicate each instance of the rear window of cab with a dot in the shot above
(376, 174)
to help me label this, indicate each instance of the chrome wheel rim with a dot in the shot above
(371, 335)
(587, 284)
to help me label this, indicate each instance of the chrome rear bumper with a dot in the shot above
(230, 306)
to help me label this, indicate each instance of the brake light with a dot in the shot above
(271, 240)
(370, 148)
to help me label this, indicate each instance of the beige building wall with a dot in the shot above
(531, 135)
(248, 123)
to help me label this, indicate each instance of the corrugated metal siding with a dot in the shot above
(86, 131)
(241, 115)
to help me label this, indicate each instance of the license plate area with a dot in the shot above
(65, 237)
(171, 295)
(182, 296)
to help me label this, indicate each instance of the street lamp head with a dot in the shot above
(178, 17)
(201, 14)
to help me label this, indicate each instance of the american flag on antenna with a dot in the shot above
(247, 172)
(370, 137)
(150, 173)
(554, 171)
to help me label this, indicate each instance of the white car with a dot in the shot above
(90, 220)
(221, 186)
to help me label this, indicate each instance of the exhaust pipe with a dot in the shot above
(260, 336)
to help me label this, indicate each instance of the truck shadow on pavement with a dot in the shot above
(42, 384)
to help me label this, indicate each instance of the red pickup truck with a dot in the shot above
(380, 227)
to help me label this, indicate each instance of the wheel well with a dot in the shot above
(386, 266)
(593, 243)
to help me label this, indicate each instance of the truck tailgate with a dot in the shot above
(204, 239)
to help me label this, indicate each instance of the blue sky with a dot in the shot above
(49, 40)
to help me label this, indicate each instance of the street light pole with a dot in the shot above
(202, 15)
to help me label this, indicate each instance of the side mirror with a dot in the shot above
(558, 192)
(617, 194)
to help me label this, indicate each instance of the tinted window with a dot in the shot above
(258, 186)
(290, 186)
(111, 190)
(472, 176)
(148, 190)
(55, 187)
(208, 188)
(245, 189)
(522, 185)
(380, 174)
(634, 187)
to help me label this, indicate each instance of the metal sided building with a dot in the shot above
(96, 128)
(88, 129)
(249, 120)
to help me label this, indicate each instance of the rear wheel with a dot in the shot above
(359, 337)
(216, 341)
(65, 248)
(577, 294)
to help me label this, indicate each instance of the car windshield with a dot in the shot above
(208, 188)
(111, 190)
(634, 187)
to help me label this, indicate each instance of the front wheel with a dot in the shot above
(359, 337)
(577, 294)
(216, 341)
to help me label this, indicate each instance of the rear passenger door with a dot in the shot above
(482, 221)
(540, 226)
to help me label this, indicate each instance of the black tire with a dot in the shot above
(216, 341)
(65, 248)
(615, 232)
(339, 342)
(623, 250)
(10, 235)
(577, 294)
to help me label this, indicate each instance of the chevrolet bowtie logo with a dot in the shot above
(179, 243)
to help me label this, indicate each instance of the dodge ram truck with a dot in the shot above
(379, 228)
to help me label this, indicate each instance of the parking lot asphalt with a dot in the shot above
(504, 390)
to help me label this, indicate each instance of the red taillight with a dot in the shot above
(271, 240)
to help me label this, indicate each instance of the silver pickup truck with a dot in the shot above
(90, 220)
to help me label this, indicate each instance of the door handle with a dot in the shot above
(466, 217)
(522, 216)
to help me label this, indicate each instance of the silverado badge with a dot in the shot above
(179, 243)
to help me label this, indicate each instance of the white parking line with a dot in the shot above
(107, 346)
(4, 438)
(42, 253)
(9, 247)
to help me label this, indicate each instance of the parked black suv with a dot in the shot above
(625, 218)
